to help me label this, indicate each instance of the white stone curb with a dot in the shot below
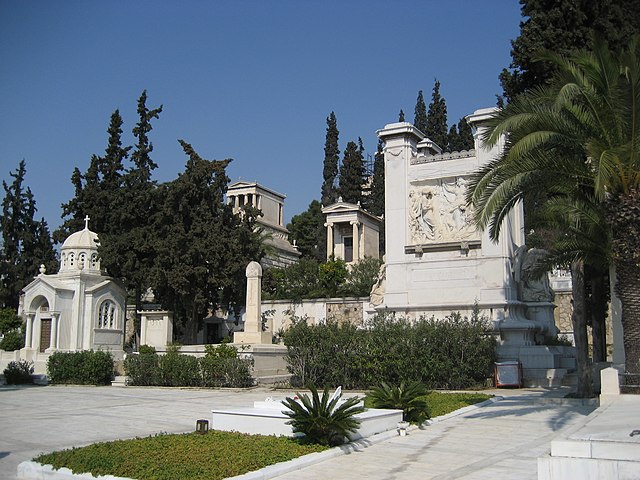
(37, 471)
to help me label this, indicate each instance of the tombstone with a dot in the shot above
(438, 262)
(253, 319)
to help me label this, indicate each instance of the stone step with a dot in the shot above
(119, 381)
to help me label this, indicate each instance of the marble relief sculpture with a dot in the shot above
(439, 213)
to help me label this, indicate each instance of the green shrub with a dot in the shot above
(406, 397)
(13, 340)
(220, 367)
(88, 367)
(177, 370)
(146, 349)
(322, 420)
(18, 373)
(452, 353)
(142, 369)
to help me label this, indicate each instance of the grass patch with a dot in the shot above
(190, 456)
(440, 403)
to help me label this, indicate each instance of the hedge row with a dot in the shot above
(87, 367)
(452, 353)
(176, 370)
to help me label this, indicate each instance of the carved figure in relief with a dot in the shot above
(531, 287)
(378, 289)
(439, 212)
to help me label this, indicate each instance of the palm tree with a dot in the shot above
(577, 139)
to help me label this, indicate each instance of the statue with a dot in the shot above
(531, 287)
(378, 289)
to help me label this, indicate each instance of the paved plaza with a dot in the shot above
(501, 440)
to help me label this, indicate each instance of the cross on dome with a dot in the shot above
(86, 222)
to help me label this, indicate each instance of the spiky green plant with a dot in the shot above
(410, 398)
(323, 420)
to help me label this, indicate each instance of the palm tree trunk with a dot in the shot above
(598, 314)
(628, 291)
(579, 320)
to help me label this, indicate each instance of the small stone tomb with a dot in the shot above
(266, 418)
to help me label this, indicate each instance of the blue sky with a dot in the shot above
(248, 80)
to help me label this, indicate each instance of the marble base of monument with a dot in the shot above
(260, 338)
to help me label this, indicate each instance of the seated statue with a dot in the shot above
(531, 287)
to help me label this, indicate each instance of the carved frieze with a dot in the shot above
(438, 212)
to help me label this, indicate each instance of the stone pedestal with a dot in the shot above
(253, 319)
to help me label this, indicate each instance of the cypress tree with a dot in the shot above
(420, 118)
(436, 124)
(331, 159)
(26, 243)
(352, 173)
(465, 135)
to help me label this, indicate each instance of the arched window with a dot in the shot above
(94, 260)
(71, 259)
(64, 260)
(107, 315)
(81, 259)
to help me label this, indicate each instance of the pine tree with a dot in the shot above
(25, 242)
(420, 118)
(436, 124)
(331, 159)
(352, 174)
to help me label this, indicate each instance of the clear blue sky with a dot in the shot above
(248, 80)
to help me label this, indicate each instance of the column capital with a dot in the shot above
(329, 224)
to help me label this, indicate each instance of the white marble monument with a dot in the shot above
(438, 262)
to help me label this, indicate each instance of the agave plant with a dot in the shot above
(324, 420)
(408, 398)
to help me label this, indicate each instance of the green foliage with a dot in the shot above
(452, 353)
(323, 420)
(18, 373)
(352, 174)
(308, 232)
(440, 403)
(12, 340)
(220, 367)
(362, 276)
(329, 193)
(25, 243)
(214, 456)
(436, 128)
(563, 26)
(88, 367)
(406, 397)
(332, 274)
(420, 114)
(146, 349)
(9, 320)
(307, 279)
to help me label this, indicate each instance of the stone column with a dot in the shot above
(53, 340)
(253, 319)
(29, 333)
(356, 241)
(330, 244)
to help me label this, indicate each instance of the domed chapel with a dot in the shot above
(78, 308)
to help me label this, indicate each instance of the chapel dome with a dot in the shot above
(82, 239)
(79, 252)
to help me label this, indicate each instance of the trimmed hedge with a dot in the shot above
(88, 367)
(452, 353)
(219, 368)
